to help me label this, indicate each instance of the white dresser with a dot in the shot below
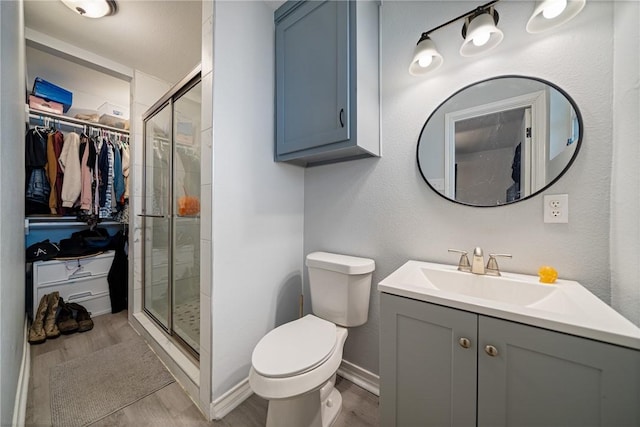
(81, 280)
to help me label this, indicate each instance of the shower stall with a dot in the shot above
(171, 213)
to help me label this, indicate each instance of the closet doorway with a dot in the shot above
(171, 212)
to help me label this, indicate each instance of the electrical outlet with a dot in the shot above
(556, 208)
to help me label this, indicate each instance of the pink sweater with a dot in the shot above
(85, 192)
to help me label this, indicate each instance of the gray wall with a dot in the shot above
(625, 179)
(381, 208)
(257, 203)
(11, 196)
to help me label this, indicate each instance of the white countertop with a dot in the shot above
(568, 308)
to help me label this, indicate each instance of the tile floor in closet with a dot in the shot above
(169, 406)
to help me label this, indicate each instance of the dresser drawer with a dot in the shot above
(60, 270)
(90, 292)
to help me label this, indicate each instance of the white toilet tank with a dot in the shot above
(340, 287)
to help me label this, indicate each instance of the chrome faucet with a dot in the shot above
(477, 266)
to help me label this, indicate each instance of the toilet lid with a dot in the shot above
(295, 347)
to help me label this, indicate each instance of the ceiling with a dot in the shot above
(159, 37)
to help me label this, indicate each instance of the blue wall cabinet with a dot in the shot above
(448, 367)
(327, 81)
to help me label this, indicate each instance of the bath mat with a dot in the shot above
(89, 388)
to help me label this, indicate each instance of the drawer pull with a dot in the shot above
(79, 274)
(491, 350)
(79, 296)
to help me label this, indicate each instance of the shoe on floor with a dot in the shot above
(66, 323)
(82, 317)
(36, 331)
(50, 327)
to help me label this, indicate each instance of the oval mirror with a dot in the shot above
(499, 141)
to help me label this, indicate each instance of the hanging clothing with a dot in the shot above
(118, 277)
(126, 162)
(37, 185)
(52, 173)
(86, 178)
(118, 178)
(106, 179)
(69, 162)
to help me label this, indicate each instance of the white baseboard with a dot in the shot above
(231, 399)
(20, 405)
(360, 377)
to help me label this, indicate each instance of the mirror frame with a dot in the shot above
(507, 76)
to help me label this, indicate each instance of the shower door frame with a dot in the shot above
(167, 100)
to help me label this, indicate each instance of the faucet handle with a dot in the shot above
(463, 264)
(492, 265)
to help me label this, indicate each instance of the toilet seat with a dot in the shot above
(295, 347)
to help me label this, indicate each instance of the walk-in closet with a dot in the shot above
(98, 178)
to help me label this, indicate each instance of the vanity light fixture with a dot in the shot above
(426, 57)
(92, 8)
(549, 14)
(480, 32)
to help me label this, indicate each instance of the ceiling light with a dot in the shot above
(426, 57)
(549, 14)
(480, 32)
(92, 8)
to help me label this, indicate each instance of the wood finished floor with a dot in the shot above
(170, 406)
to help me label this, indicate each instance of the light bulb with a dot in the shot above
(425, 60)
(554, 9)
(481, 38)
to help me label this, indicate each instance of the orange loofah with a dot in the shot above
(188, 205)
(547, 274)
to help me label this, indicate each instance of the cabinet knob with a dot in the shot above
(464, 342)
(491, 350)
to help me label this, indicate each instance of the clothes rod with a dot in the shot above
(36, 114)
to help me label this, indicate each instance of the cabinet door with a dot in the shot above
(426, 377)
(545, 378)
(312, 76)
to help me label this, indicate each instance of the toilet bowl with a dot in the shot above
(296, 372)
(294, 366)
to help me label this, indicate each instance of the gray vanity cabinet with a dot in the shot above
(508, 374)
(327, 81)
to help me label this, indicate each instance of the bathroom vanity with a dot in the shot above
(459, 349)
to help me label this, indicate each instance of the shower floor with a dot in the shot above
(186, 322)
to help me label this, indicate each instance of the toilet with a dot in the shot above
(294, 366)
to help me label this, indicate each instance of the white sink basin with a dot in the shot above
(565, 306)
(501, 289)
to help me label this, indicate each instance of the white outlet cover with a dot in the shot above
(556, 208)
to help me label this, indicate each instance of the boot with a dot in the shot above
(66, 323)
(50, 327)
(82, 317)
(36, 331)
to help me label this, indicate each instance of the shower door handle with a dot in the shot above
(154, 216)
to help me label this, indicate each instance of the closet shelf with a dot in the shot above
(46, 221)
(37, 114)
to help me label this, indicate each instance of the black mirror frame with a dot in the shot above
(564, 170)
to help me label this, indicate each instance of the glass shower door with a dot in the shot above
(157, 215)
(171, 214)
(186, 225)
